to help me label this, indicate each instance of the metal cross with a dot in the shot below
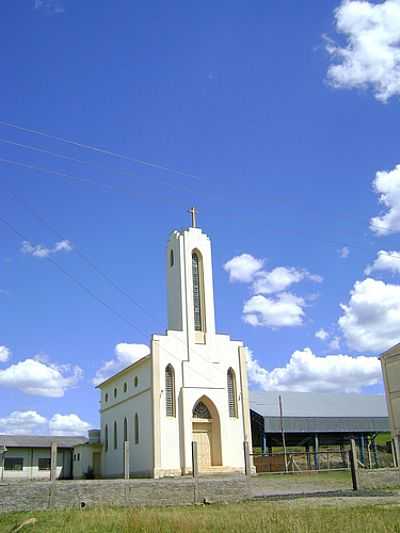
(193, 211)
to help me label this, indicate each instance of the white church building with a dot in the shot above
(192, 387)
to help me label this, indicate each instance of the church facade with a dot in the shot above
(192, 387)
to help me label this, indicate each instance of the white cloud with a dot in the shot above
(371, 319)
(68, 425)
(322, 334)
(125, 354)
(283, 310)
(344, 252)
(280, 278)
(22, 422)
(387, 186)
(36, 377)
(371, 54)
(308, 372)
(49, 6)
(243, 267)
(39, 250)
(334, 344)
(31, 422)
(4, 354)
(385, 261)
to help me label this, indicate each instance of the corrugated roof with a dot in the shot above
(314, 404)
(38, 441)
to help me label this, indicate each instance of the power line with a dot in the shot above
(100, 150)
(41, 150)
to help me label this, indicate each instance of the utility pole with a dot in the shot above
(283, 432)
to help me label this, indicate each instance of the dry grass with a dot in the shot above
(283, 517)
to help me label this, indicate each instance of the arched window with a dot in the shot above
(200, 410)
(232, 395)
(171, 258)
(136, 428)
(125, 430)
(106, 438)
(115, 392)
(115, 435)
(125, 386)
(170, 409)
(198, 296)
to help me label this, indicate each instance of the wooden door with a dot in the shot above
(203, 440)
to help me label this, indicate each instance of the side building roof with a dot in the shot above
(39, 441)
(318, 404)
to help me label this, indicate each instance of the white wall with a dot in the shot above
(31, 463)
(126, 405)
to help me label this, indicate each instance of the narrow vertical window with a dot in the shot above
(232, 396)
(197, 292)
(136, 428)
(115, 435)
(170, 409)
(106, 438)
(171, 258)
(125, 430)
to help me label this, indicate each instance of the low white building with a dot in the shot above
(28, 457)
(192, 386)
(390, 361)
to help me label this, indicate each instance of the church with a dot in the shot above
(191, 387)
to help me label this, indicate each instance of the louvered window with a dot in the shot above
(232, 402)
(106, 438)
(197, 292)
(200, 410)
(170, 409)
(136, 428)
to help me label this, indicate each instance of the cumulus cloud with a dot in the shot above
(36, 377)
(321, 334)
(387, 186)
(307, 372)
(31, 422)
(344, 252)
(68, 425)
(243, 267)
(39, 250)
(371, 319)
(370, 57)
(385, 260)
(4, 354)
(125, 354)
(23, 422)
(282, 310)
(334, 344)
(280, 278)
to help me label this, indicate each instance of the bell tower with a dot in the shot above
(190, 283)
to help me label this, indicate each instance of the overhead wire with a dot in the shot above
(100, 150)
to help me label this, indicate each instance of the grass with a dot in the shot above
(284, 517)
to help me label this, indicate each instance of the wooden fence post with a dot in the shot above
(247, 467)
(53, 461)
(195, 472)
(354, 465)
(126, 459)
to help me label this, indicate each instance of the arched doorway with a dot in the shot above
(207, 433)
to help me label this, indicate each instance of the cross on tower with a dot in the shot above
(193, 211)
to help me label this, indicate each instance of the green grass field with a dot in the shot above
(284, 517)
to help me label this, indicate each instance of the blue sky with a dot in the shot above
(273, 119)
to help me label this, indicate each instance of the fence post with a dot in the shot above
(247, 468)
(354, 465)
(316, 452)
(195, 472)
(393, 448)
(53, 461)
(126, 459)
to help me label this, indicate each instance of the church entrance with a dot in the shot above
(206, 432)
